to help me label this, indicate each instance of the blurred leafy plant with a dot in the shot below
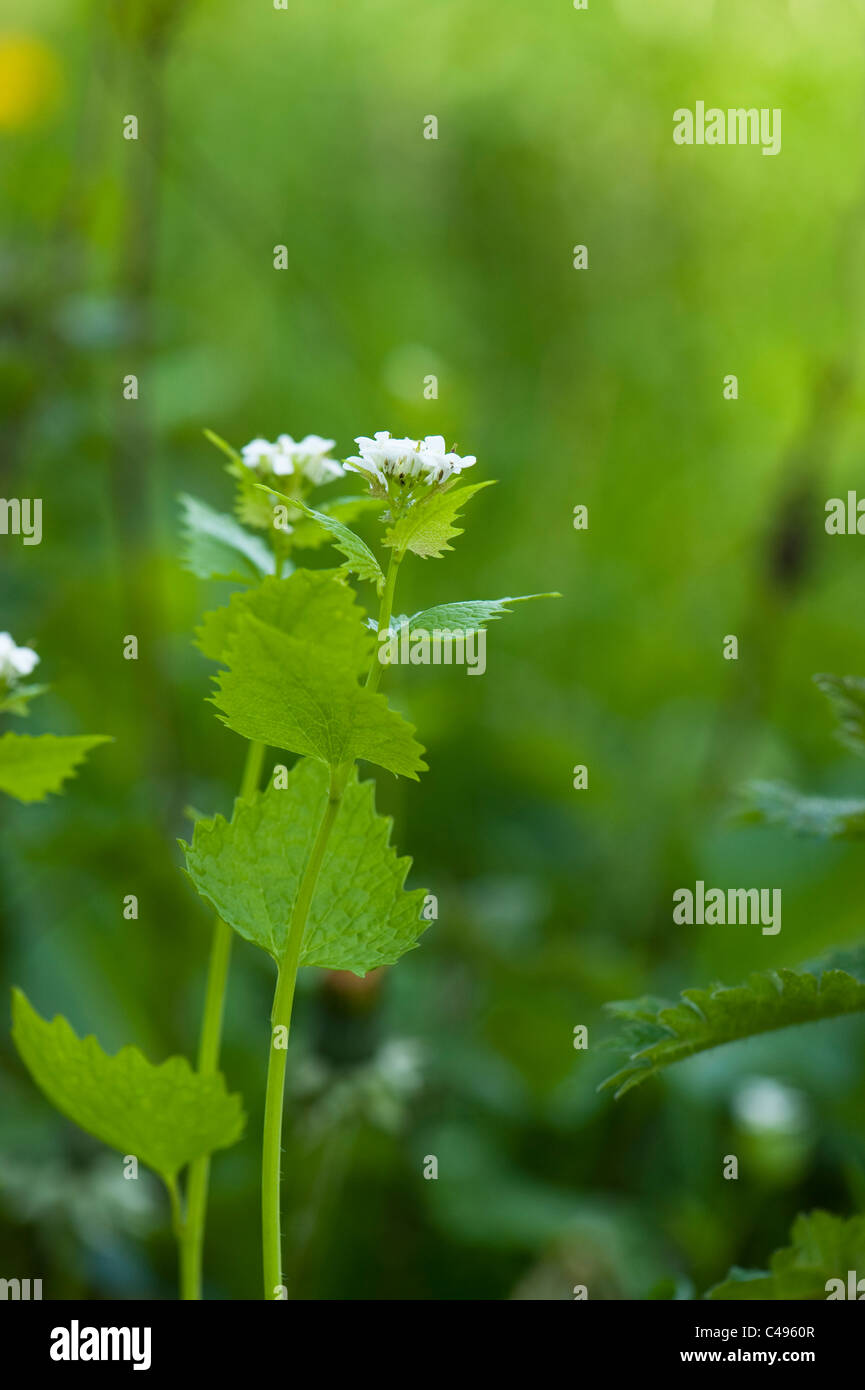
(166, 1116)
(658, 1033)
(837, 818)
(816, 1264)
(33, 766)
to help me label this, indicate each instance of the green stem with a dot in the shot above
(185, 1246)
(252, 769)
(280, 1025)
(210, 1041)
(384, 615)
(283, 1001)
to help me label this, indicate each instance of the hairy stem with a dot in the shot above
(209, 1044)
(280, 1026)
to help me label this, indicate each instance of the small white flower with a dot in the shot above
(427, 460)
(441, 464)
(15, 661)
(383, 457)
(307, 457)
(258, 452)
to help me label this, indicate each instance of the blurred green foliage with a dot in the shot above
(454, 257)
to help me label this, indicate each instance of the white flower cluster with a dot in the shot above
(407, 460)
(15, 662)
(308, 458)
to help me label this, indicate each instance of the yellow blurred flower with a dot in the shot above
(30, 81)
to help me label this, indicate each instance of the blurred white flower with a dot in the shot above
(15, 661)
(258, 452)
(763, 1105)
(425, 460)
(307, 458)
(400, 1062)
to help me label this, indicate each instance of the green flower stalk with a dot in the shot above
(303, 465)
(284, 996)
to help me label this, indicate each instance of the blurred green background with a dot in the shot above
(604, 387)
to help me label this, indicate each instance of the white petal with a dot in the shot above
(24, 660)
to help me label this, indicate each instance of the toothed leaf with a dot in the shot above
(164, 1115)
(467, 615)
(658, 1033)
(250, 869)
(832, 818)
(31, 767)
(823, 1247)
(216, 546)
(302, 692)
(428, 525)
(359, 558)
(846, 694)
(310, 535)
(304, 605)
